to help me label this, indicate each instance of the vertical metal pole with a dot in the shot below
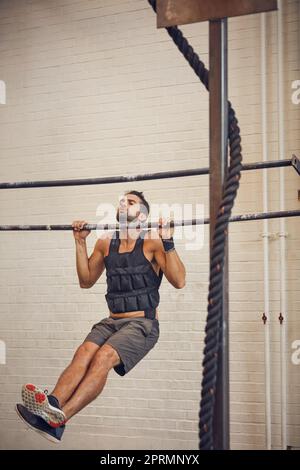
(218, 167)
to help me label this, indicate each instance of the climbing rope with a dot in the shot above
(215, 294)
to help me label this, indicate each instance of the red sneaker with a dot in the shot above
(36, 401)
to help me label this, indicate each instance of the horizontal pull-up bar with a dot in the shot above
(176, 223)
(148, 176)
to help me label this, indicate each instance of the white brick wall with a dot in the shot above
(93, 89)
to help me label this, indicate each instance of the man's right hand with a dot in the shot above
(78, 233)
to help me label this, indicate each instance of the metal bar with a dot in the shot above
(295, 163)
(178, 12)
(218, 136)
(179, 223)
(147, 176)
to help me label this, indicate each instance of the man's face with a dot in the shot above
(129, 208)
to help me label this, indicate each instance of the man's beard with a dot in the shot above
(125, 218)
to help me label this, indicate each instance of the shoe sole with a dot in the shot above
(42, 433)
(36, 401)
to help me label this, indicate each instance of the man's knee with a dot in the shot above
(106, 357)
(85, 352)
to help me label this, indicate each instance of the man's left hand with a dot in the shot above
(165, 231)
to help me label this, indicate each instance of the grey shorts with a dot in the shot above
(132, 338)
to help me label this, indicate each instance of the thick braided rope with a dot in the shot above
(215, 295)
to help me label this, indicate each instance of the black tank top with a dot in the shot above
(132, 283)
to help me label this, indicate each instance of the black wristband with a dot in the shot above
(168, 244)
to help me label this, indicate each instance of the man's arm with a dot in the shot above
(88, 269)
(170, 264)
(166, 256)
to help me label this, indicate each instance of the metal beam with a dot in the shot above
(150, 225)
(218, 136)
(178, 12)
(147, 176)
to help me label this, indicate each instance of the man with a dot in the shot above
(135, 262)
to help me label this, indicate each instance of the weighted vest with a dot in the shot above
(132, 283)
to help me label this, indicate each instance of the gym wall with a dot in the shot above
(94, 89)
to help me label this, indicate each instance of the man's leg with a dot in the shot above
(92, 384)
(49, 409)
(75, 372)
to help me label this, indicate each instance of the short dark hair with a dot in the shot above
(141, 196)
